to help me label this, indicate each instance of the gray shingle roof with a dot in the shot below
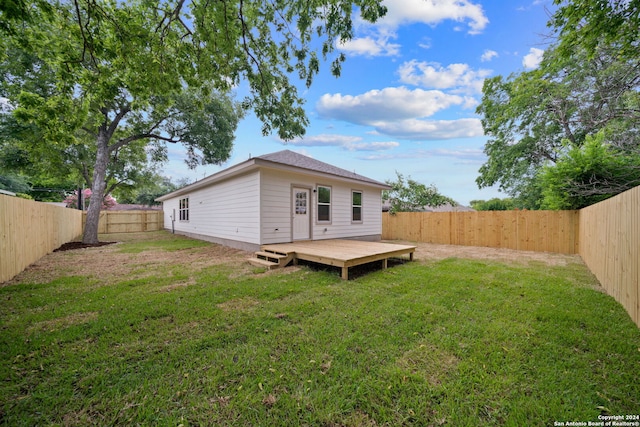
(290, 158)
(286, 158)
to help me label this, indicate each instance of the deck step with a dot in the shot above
(259, 262)
(273, 251)
(271, 256)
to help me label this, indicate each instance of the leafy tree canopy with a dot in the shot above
(408, 195)
(542, 123)
(14, 183)
(589, 24)
(533, 119)
(117, 73)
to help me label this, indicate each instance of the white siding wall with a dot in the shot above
(227, 210)
(256, 208)
(276, 208)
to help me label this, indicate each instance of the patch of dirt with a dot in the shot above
(79, 245)
(238, 304)
(428, 361)
(170, 288)
(433, 252)
(64, 322)
(104, 264)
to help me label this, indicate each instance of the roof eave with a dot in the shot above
(255, 163)
(282, 166)
(211, 179)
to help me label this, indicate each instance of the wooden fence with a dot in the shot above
(610, 246)
(541, 231)
(129, 221)
(29, 230)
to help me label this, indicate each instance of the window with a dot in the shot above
(324, 203)
(301, 202)
(184, 209)
(356, 206)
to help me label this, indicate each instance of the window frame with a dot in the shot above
(183, 209)
(354, 206)
(320, 204)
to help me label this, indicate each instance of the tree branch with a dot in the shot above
(129, 139)
(116, 121)
(245, 44)
(87, 45)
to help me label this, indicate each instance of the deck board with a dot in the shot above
(341, 252)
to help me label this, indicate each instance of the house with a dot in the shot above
(280, 197)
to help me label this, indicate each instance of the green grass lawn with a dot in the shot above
(151, 341)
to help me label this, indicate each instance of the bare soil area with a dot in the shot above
(79, 245)
(107, 262)
(429, 251)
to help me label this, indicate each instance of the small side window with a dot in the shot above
(324, 204)
(183, 212)
(356, 206)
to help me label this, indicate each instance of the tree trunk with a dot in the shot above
(90, 235)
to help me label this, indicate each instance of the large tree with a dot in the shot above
(154, 70)
(534, 118)
(588, 82)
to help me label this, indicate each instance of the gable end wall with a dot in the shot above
(225, 212)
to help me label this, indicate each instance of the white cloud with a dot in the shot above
(433, 12)
(533, 58)
(351, 143)
(459, 77)
(432, 129)
(374, 39)
(400, 113)
(464, 155)
(389, 104)
(368, 46)
(488, 55)
(374, 146)
(425, 43)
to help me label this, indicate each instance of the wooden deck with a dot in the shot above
(337, 252)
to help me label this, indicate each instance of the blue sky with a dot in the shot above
(407, 95)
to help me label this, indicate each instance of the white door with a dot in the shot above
(301, 214)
